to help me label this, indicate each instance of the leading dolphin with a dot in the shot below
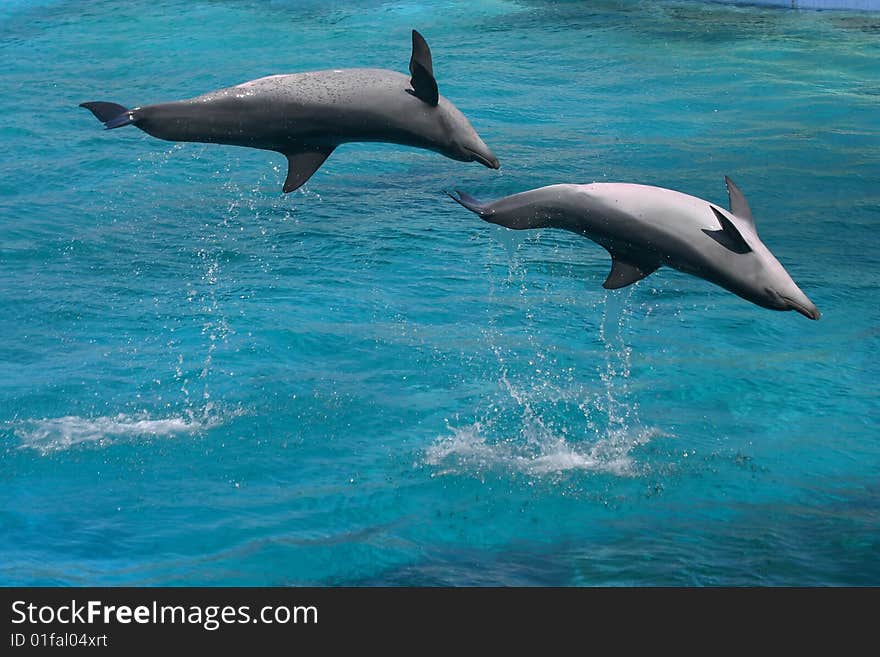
(644, 228)
(306, 115)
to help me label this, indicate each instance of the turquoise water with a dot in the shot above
(204, 381)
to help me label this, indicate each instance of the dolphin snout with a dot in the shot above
(486, 158)
(804, 306)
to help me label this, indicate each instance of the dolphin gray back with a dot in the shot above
(536, 208)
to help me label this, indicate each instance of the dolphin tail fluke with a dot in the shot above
(469, 202)
(111, 115)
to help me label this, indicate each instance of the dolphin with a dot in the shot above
(305, 116)
(645, 228)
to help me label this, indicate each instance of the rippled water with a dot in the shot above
(203, 381)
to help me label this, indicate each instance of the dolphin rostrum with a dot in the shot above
(644, 228)
(306, 115)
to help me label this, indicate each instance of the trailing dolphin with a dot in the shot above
(305, 116)
(644, 228)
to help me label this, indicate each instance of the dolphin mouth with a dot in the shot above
(492, 162)
(807, 310)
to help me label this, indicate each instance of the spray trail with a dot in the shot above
(545, 419)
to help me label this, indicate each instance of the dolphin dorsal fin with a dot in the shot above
(424, 86)
(301, 165)
(625, 273)
(735, 241)
(738, 203)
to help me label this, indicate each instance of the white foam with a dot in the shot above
(60, 433)
(467, 449)
(523, 428)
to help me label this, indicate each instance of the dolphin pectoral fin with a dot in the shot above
(301, 165)
(424, 86)
(625, 273)
(729, 235)
(738, 203)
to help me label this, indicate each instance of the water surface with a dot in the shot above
(204, 381)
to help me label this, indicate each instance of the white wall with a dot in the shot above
(815, 4)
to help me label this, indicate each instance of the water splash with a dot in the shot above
(205, 295)
(615, 402)
(550, 423)
(49, 435)
(472, 448)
